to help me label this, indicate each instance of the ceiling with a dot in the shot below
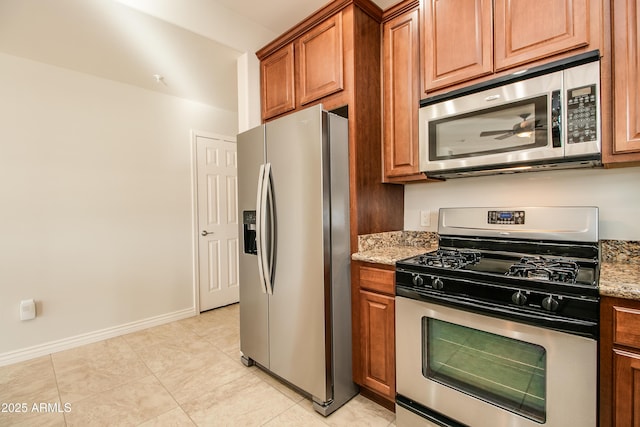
(163, 46)
(269, 13)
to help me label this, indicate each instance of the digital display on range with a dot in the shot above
(505, 217)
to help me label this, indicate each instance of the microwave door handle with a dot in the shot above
(260, 229)
(268, 239)
(556, 125)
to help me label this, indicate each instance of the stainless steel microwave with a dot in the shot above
(544, 118)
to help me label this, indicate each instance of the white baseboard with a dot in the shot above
(91, 337)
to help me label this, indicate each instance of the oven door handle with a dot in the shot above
(564, 324)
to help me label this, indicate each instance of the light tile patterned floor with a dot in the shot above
(183, 373)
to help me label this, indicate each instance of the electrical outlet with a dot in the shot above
(425, 218)
(27, 309)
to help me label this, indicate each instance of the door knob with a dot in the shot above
(205, 232)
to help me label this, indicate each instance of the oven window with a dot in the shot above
(503, 371)
(510, 127)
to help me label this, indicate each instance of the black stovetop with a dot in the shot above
(571, 268)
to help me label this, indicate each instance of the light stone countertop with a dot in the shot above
(389, 255)
(619, 271)
(621, 280)
(387, 248)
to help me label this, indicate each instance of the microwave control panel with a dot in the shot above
(582, 113)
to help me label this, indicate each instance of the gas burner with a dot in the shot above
(550, 269)
(450, 258)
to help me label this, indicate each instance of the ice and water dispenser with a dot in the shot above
(249, 227)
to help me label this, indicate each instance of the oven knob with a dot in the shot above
(417, 280)
(550, 303)
(437, 283)
(519, 298)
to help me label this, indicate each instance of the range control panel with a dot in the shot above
(582, 113)
(505, 217)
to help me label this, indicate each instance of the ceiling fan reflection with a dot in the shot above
(523, 129)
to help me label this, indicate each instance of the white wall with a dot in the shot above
(96, 205)
(249, 114)
(215, 21)
(614, 191)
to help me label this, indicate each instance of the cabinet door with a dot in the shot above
(278, 87)
(377, 316)
(626, 50)
(627, 388)
(458, 42)
(401, 94)
(321, 60)
(528, 30)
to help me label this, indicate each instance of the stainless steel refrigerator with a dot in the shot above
(295, 292)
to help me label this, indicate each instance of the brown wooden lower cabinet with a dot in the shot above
(627, 388)
(378, 337)
(619, 362)
(373, 311)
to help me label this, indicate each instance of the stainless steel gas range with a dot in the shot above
(499, 326)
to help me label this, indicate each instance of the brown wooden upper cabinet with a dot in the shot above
(526, 31)
(626, 86)
(333, 57)
(468, 39)
(305, 70)
(278, 83)
(321, 61)
(458, 42)
(401, 95)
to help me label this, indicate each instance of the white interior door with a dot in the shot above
(216, 163)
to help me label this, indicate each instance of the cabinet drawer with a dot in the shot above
(378, 280)
(626, 326)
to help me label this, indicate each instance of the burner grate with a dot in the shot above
(540, 268)
(450, 258)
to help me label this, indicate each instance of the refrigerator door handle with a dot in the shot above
(260, 229)
(269, 243)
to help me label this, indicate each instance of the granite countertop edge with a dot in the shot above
(390, 255)
(387, 248)
(620, 280)
(619, 271)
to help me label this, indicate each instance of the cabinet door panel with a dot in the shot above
(401, 95)
(321, 60)
(278, 87)
(627, 389)
(626, 51)
(378, 343)
(458, 41)
(526, 31)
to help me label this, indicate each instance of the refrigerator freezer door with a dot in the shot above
(297, 151)
(254, 302)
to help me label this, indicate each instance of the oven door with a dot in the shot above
(487, 372)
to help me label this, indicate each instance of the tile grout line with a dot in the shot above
(198, 332)
(200, 337)
(55, 377)
(130, 381)
(161, 383)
